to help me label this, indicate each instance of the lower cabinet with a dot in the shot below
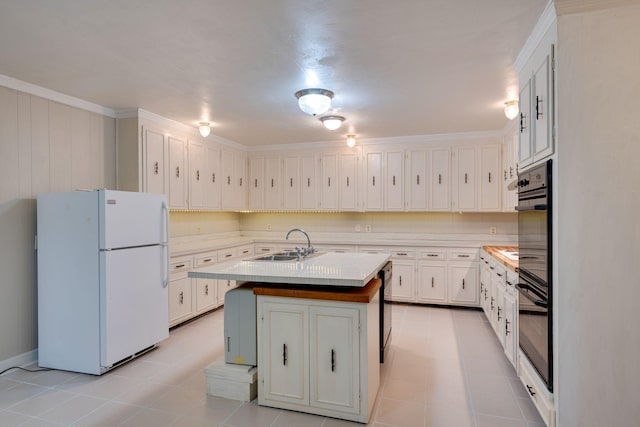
(403, 281)
(180, 300)
(318, 357)
(463, 283)
(206, 294)
(432, 283)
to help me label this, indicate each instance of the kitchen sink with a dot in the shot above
(512, 255)
(283, 256)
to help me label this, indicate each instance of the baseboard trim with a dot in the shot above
(21, 360)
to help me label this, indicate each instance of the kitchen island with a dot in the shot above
(317, 330)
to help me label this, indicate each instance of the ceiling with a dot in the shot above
(414, 67)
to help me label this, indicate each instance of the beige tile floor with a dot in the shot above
(445, 368)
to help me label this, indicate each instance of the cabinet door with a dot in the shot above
(334, 351)
(180, 302)
(224, 286)
(348, 182)
(432, 281)
(465, 184)
(510, 331)
(463, 283)
(417, 181)
(283, 353)
(177, 173)
(485, 286)
(489, 182)
(394, 181)
(273, 183)
(509, 172)
(403, 281)
(212, 179)
(206, 294)
(373, 184)
(197, 161)
(228, 189)
(525, 153)
(329, 184)
(154, 158)
(440, 186)
(256, 183)
(241, 187)
(309, 185)
(499, 310)
(291, 192)
(542, 108)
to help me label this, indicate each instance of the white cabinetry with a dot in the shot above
(432, 282)
(328, 182)
(440, 194)
(292, 188)
(509, 172)
(537, 103)
(256, 183)
(465, 195)
(318, 356)
(511, 318)
(394, 181)
(309, 185)
(177, 173)
(234, 187)
(204, 173)
(348, 173)
(373, 186)
(416, 180)
(154, 153)
(490, 185)
(181, 304)
(403, 283)
(206, 290)
(272, 183)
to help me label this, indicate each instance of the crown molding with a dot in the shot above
(547, 19)
(52, 95)
(566, 7)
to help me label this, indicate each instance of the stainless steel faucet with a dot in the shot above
(304, 252)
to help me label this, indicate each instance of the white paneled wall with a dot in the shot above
(48, 146)
(44, 146)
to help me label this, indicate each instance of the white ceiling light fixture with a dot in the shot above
(351, 140)
(511, 109)
(332, 122)
(204, 129)
(314, 101)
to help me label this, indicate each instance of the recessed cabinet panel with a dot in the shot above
(432, 283)
(272, 184)
(542, 109)
(403, 281)
(348, 182)
(212, 179)
(489, 182)
(334, 367)
(177, 173)
(285, 344)
(463, 284)
(373, 186)
(394, 189)
(256, 183)
(465, 191)
(417, 180)
(440, 186)
(154, 158)
(180, 303)
(328, 182)
(525, 152)
(197, 162)
(206, 294)
(309, 184)
(292, 190)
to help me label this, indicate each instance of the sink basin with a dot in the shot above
(283, 256)
(277, 257)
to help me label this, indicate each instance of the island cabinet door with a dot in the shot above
(334, 367)
(283, 353)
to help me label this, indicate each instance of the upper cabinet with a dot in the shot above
(394, 191)
(476, 178)
(235, 195)
(154, 158)
(537, 103)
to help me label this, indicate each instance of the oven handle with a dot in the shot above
(540, 302)
(541, 207)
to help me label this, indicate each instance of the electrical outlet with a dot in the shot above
(493, 230)
(268, 227)
(357, 228)
(367, 228)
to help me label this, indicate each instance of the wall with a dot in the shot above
(195, 223)
(598, 289)
(383, 222)
(44, 146)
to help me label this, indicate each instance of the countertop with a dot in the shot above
(325, 269)
(363, 294)
(494, 252)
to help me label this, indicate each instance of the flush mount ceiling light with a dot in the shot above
(351, 140)
(332, 122)
(204, 129)
(314, 101)
(511, 109)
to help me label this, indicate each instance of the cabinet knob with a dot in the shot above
(197, 175)
(462, 283)
(439, 178)
(284, 354)
(213, 177)
(432, 282)
(156, 168)
(394, 180)
(177, 171)
(181, 297)
(333, 360)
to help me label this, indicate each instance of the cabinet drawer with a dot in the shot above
(226, 255)
(463, 255)
(180, 265)
(373, 250)
(206, 259)
(264, 249)
(403, 254)
(433, 254)
(244, 251)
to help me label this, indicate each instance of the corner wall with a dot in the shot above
(598, 289)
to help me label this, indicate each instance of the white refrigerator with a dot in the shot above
(103, 270)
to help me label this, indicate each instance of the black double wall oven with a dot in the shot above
(535, 269)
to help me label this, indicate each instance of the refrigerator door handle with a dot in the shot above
(165, 244)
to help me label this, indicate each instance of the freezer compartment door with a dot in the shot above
(132, 219)
(133, 302)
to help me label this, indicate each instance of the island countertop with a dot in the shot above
(326, 269)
